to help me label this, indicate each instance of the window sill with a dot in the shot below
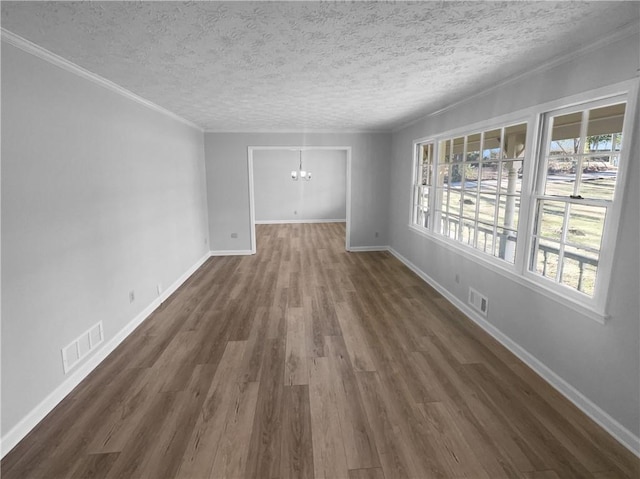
(510, 272)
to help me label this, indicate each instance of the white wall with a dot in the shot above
(278, 198)
(100, 196)
(228, 183)
(602, 362)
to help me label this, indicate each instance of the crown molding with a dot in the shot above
(629, 29)
(303, 131)
(36, 50)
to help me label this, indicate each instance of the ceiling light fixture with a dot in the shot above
(303, 174)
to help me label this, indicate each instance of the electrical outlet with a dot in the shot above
(159, 289)
(234, 235)
(132, 296)
(457, 278)
(376, 234)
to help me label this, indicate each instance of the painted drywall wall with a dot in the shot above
(278, 197)
(228, 183)
(100, 196)
(601, 361)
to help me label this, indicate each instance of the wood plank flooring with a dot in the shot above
(305, 361)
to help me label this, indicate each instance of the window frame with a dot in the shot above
(503, 121)
(595, 308)
(598, 302)
(477, 223)
(417, 184)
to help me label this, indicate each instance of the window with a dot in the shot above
(548, 219)
(475, 187)
(576, 188)
(422, 184)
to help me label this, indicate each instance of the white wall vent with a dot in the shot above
(81, 346)
(478, 301)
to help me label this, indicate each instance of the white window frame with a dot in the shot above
(595, 308)
(597, 302)
(417, 186)
(470, 251)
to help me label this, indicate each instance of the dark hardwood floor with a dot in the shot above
(305, 361)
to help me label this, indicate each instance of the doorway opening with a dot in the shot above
(314, 198)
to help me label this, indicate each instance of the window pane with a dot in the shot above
(450, 226)
(443, 175)
(437, 221)
(442, 196)
(511, 177)
(468, 233)
(454, 201)
(585, 225)
(421, 218)
(546, 259)
(469, 206)
(489, 177)
(506, 245)
(473, 147)
(458, 149)
(561, 176)
(491, 145)
(617, 138)
(471, 171)
(424, 197)
(606, 120)
(485, 238)
(599, 143)
(598, 184)
(487, 209)
(579, 269)
(552, 219)
(515, 139)
(604, 137)
(457, 173)
(426, 163)
(565, 135)
(428, 152)
(508, 211)
(445, 151)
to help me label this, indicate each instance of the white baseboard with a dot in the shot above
(20, 430)
(613, 427)
(286, 222)
(367, 249)
(241, 252)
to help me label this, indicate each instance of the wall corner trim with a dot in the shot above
(593, 411)
(44, 54)
(31, 420)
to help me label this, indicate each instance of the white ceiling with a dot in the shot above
(250, 66)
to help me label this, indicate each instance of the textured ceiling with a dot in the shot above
(248, 66)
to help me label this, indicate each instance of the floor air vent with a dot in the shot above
(80, 347)
(478, 301)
